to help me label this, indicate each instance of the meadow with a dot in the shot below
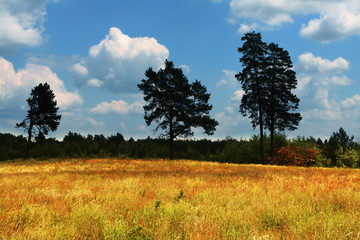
(159, 199)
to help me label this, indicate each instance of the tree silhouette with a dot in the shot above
(282, 102)
(42, 115)
(267, 79)
(253, 79)
(174, 104)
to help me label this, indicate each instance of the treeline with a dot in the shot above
(340, 150)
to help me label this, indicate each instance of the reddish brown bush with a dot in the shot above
(295, 156)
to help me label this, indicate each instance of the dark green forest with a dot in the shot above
(340, 150)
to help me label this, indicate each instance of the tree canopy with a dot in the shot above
(42, 115)
(175, 105)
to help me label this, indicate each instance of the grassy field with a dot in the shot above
(133, 199)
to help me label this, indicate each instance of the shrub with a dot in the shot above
(347, 158)
(295, 156)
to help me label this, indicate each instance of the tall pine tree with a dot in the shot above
(282, 102)
(253, 80)
(267, 79)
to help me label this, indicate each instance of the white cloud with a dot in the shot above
(237, 96)
(80, 70)
(235, 101)
(120, 61)
(351, 102)
(228, 79)
(15, 85)
(185, 68)
(21, 24)
(309, 63)
(244, 28)
(94, 83)
(337, 19)
(119, 107)
(321, 71)
(269, 11)
(94, 123)
(338, 80)
(319, 78)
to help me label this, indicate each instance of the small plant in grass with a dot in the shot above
(180, 196)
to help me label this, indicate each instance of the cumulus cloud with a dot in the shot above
(228, 79)
(337, 19)
(310, 63)
(80, 70)
(15, 85)
(21, 24)
(337, 22)
(317, 79)
(119, 62)
(323, 71)
(118, 107)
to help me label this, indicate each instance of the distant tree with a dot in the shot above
(341, 139)
(73, 138)
(339, 143)
(281, 80)
(116, 139)
(253, 79)
(174, 104)
(11, 146)
(42, 115)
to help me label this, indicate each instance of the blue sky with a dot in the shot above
(93, 53)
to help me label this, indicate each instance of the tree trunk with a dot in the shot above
(171, 132)
(261, 134)
(272, 142)
(29, 138)
(172, 154)
(261, 123)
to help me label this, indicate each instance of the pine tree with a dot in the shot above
(175, 104)
(282, 102)
(42, 115)
(253, 79)
(267, 79)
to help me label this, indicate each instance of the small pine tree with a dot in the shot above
(42, 115)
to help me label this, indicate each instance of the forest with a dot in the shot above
(340, 150)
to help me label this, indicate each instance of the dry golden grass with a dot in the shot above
(133, 199)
